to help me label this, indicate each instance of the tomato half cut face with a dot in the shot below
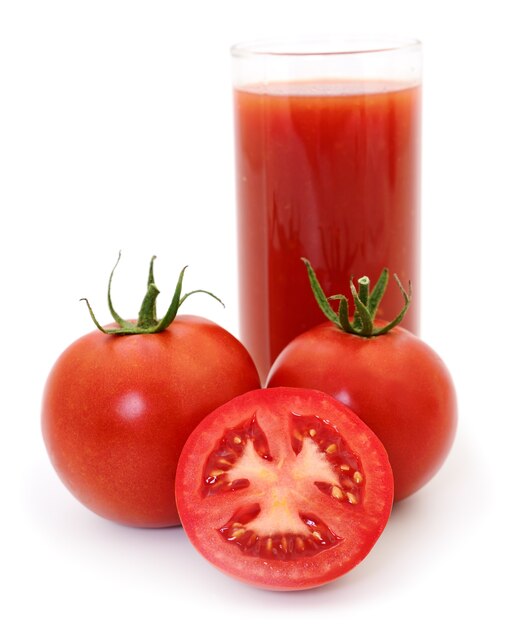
(284, 488)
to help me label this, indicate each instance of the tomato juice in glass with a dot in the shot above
(327, 169)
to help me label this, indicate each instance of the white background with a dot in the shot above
(116, 133)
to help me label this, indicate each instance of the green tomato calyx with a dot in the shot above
(147, 322)
(366, 303)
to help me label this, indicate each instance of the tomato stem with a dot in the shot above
(366, 304)
(147, 322)
(148, 312)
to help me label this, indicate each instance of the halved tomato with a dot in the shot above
(284, 488)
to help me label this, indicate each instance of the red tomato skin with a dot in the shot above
(200, 517)
(117, 410)
(394, 382)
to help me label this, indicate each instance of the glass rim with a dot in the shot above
(323, 46)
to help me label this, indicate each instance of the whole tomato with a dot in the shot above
(391, 379)
(121, 401)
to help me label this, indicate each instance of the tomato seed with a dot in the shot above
(224, 462)
(351, 498)
(283, 543)
(336, 492)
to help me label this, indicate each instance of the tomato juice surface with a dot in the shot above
(328, 171)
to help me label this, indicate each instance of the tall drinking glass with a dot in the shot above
(328, 168)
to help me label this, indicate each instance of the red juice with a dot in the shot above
(330, 172)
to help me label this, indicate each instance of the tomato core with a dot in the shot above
(279, 522)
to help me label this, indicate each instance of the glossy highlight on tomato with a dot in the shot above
(284, 488)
